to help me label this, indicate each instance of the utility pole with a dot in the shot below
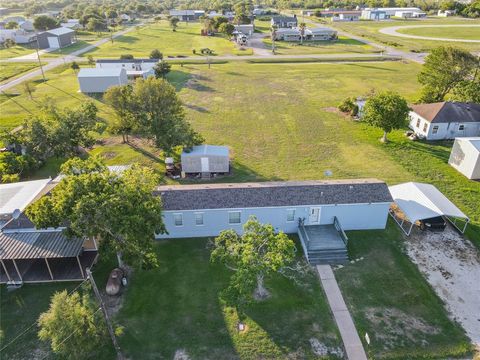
(38, 57)
(105, 314)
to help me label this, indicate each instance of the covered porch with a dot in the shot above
(324, 244)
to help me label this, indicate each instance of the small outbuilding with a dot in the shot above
(414, 202)
(205, 160)
(465, 156)
(56, 38)
(93, 80)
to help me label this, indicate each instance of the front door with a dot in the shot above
(314, 216)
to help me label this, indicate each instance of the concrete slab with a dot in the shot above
(348, 332)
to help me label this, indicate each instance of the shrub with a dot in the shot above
(349, 106)
(126, 57)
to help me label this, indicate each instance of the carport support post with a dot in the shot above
(81, 269)
(6, 272)
(16, 268)
(48, 267)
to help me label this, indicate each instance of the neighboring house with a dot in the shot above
(72, 24)
(258, 12)
(446, 13)
(205, 160)
(207, 209)
(445, 120)
(372, 14)
(17, 19)
(187, 15)
(465, 156)
(93, 80)
(26, 25)
(391, 11)
(56, 38)
(246, 29)
(20, 36)
(313, 34)
(134, 67)
(125, 17)
(284, 21)
(347, 16)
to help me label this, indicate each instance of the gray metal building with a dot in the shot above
(93, 80)
(205, 160)
(56, 38)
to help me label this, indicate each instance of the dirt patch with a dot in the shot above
(397, 325)
(451, 264)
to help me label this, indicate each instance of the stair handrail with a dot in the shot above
(337, 225)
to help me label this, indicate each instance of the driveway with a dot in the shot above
(392, 31)
(451, 264)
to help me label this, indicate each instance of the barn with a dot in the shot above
(56, 38)
(205, 160)
(465, 156)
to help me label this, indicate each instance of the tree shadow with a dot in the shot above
(197, 108)
(371, 67)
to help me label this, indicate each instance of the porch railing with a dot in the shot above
(337, 225)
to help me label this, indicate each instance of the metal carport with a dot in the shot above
(419, 201)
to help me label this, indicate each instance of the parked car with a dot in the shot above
(437, 223)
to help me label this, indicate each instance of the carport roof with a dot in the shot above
(420, 201)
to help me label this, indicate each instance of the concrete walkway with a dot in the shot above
(351, 340)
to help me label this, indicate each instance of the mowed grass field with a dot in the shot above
(10, 70)
(178, 306)
(159, 35)
(450, 32)
(370, 30)
(342, 45)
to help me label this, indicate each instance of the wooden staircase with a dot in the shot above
(324, 244)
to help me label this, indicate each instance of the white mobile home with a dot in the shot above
(94, 80)
(134, 67)
(465, 156)
(445, 120)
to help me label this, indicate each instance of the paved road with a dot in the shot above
(392, 31)
(342, 57)
(348, 332)
(50, 63)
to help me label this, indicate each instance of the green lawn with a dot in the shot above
(370, 30)
(14, 51)
(160, 36)
(342, 45)
(178, 306)
(469, 33)
(10, 70)
(390, 300)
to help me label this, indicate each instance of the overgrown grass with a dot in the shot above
(392, 302)
(10, 70)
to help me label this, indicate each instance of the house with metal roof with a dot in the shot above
(93, 80)
(281, 21)
(134, 67)
(56, 38)
(187, 15)
(318, 211)
(445, 120)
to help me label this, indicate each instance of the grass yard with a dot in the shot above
(390, 300)
(342, 45)
(370, 30)
(469, 33)
(10, 70)
(15, 51)
(178, 306)
(142, 41)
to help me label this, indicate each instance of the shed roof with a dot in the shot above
(474, 141)
(60, 31)
(445, 112)
(281, 18)
(273, 194)
(38, 244)
(207, 150)
(126, 61)
(19, 195)
(419, 201)
(100, 72)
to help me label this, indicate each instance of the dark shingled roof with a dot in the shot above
(272, 194)
(446, 112)
(38, 245)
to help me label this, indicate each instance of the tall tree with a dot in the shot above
(44, 22)
(161, 69)
(119, 210)
(156, 54)
(226, 28)
(76, 318)
(120, 99)
(444, 68)
(174, 23)
(387, 111)
(255, 254)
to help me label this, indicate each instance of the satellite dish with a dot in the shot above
(16, 214)
(328, 173)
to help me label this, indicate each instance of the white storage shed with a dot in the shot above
(92, 80)
(206, 159)
(465, 156)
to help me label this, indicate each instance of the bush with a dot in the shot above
(349, 106)
(126, 57)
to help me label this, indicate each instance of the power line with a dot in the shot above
(35, 322)
(16, 102)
